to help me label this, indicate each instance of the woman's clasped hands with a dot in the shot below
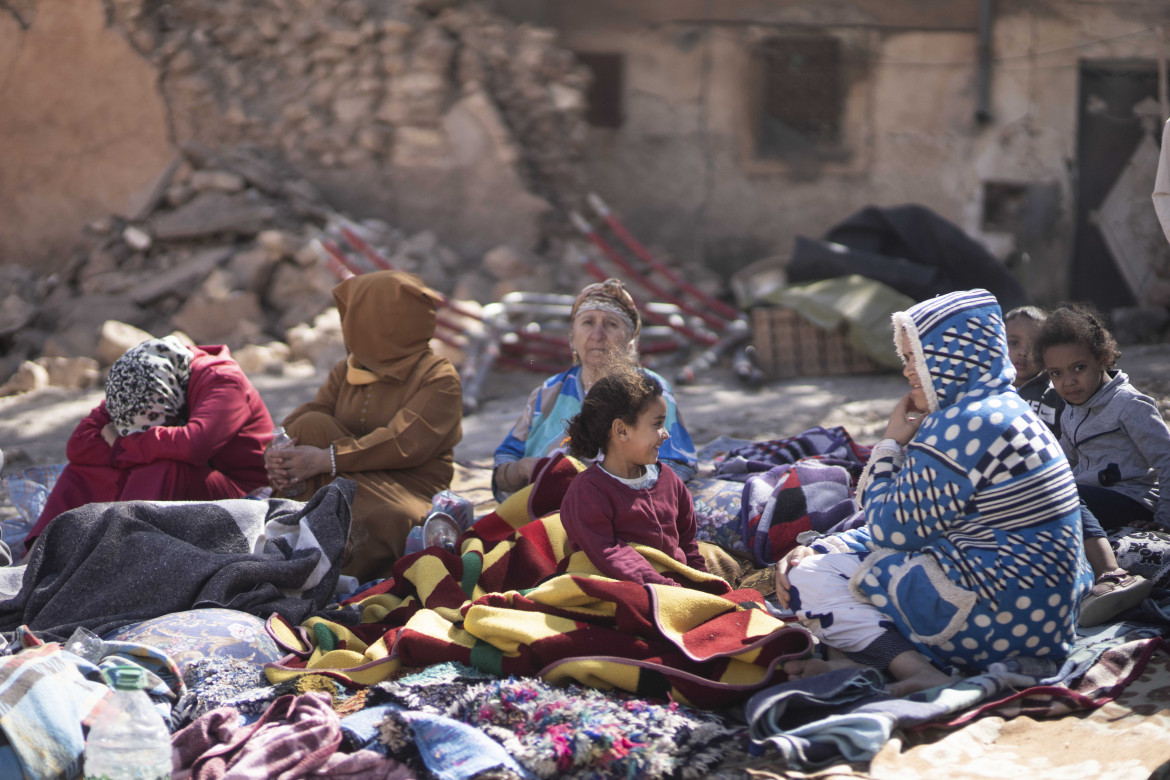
(289, 465)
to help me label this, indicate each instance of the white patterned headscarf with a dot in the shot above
(148, 385)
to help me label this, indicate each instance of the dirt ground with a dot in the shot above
(34, 427)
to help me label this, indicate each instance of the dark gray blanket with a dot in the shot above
(104, 566)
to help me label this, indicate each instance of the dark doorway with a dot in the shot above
(1108, 131)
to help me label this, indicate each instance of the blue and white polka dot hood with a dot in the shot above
(972, 543)
(959, 344)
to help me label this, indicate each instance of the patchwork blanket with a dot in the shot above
(524, 604)
(784, 502)
(104, 566)
(830, 445)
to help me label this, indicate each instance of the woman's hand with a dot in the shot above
(526, 466)
(109, 434)
(783, 566)
(904, 421)
(289, 465)
(515, 474)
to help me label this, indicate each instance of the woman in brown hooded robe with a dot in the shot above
(388, 418)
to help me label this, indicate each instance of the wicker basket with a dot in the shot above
(788, 345)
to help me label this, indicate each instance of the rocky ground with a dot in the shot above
(34, 427)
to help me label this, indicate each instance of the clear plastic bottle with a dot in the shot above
(129, 741)
(280, 440)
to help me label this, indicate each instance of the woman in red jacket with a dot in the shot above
(177, 423)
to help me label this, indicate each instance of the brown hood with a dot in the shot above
(387, 319)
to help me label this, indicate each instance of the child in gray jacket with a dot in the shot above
(1115, 590)
(1114, 436)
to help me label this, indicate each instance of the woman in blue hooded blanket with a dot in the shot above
(971, 551)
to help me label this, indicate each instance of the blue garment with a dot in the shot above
(540, 431)
(450, 749)
(456, 751)
(1048, 405)
(1110, 508)
(972, 543)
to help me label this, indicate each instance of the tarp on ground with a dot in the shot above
(910, 248)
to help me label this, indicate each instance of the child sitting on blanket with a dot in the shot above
(1115, 589)
(627, 497)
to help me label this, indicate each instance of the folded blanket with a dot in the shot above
(830, 445)
(525, 605)
(786, 501)
(844, 714)
(104, 566)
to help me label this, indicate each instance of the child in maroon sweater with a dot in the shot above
(627, 497)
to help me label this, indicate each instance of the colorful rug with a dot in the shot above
(565, 731)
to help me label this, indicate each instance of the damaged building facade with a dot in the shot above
(727, 127)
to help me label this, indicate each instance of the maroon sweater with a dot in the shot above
(603, 517)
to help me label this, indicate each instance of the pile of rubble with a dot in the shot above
(226, 250)
(366, 95)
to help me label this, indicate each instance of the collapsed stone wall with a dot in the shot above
(410, 111)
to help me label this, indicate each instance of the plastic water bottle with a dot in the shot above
(440, 530)
(129, 741)
(280, 440)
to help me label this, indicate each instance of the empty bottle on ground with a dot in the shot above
(129, 739)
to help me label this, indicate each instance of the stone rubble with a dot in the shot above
(370, 93)
(273, 103)
(240, 269)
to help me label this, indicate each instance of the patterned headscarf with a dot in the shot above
(611, 296)
(148, 384)
(959, 346)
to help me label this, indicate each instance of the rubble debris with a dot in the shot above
(29, 376)
(115, 338)
(241, 271)
(438, 92)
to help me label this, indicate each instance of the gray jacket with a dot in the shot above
(1117, 439)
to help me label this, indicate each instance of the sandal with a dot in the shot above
(1113, 593)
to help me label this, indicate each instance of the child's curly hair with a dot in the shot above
(622, 393)
(1078, 323)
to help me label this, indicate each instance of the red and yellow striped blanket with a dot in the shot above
(516, 601)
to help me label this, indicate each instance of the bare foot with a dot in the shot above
(914, 673)
(811, 667)
(910, 669)
(805, 667)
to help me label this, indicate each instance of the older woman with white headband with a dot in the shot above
(604, 320)
(177, 423)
